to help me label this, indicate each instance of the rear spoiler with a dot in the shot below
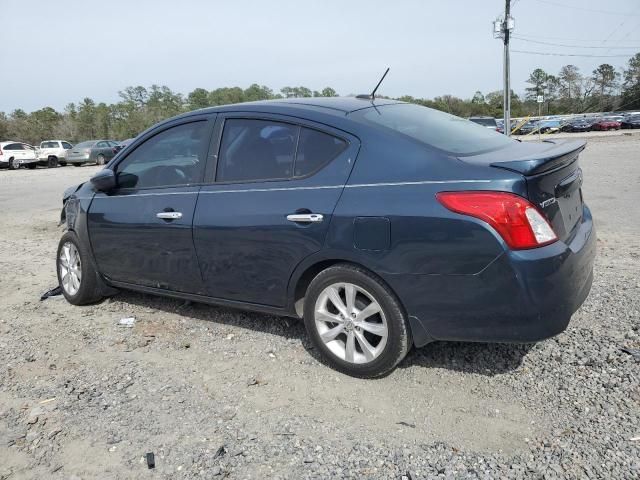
(557, 155)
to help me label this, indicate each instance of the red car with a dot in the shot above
(606, 124)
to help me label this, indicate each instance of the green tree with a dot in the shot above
(257, 92)
(86, 119)
(570, 79)
(198, 98)
(631, 86)
(226, 96)
(538, 81)
(328, 92)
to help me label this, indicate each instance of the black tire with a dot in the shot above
(89, 289)
(399, 335)
(77, 164)
(13, 164)
(52, 162)
(100, 160)
(32, 166)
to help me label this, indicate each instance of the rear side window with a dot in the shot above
(441, 130)
(256, 150)
(49, 145)
(316, 149)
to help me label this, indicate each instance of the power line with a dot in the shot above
(547, 37)
(518, 37)
(573, 7)
(570, 54)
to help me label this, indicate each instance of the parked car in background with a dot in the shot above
(579, 125)
(606, 123)
(17, 154)
(92, 151)
(382, 224)
(528, 128)
(549, 126)
(124, 143)
(488, 122)
(632, 121)
(53, 152)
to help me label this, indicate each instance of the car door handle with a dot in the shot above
(169, 215)
(305, 217)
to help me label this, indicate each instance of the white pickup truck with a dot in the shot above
(53, 152)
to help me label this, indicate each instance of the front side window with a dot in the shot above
(66, 146)
(256, 150)
(172, 157)
(441, 130)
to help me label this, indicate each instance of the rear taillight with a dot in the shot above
(517, 220)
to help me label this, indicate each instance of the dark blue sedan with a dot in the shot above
(383, 224)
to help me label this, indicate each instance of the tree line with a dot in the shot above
(568, 91)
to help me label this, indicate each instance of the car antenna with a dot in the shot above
(372, 96)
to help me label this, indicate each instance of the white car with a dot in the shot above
(53, 152)
(17, 154)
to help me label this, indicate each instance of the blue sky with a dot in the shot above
(62, 51)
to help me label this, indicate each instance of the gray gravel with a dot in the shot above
(218, 393)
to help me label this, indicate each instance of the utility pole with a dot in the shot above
(502, 28)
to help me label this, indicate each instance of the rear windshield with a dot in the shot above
(438, 129)
(86, 144)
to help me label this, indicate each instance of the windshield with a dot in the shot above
(432, 127)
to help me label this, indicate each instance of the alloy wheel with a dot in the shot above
(70, 268)
(351, 323)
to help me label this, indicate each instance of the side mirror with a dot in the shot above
(104, 180)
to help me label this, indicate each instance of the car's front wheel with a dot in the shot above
(76, 274)
(356, 321)
(100, 160)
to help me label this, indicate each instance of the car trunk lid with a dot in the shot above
(553, 175)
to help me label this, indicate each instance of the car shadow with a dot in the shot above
(486, 359)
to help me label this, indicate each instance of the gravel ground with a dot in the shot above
(218, 393)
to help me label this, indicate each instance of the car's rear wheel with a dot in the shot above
(356, 321)
(100, 160)
(13, 164)
(52, 162)
(77, 164)
(76, 273)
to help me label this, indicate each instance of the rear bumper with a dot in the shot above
(522, 296)
(78, 159)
